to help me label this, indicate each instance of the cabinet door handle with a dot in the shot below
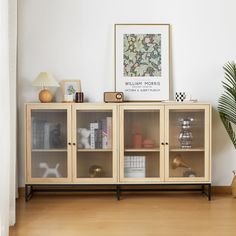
(74, 144)
(167, 143)
(162, 143)
(69, 143)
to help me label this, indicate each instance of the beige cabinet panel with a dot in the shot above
(187, 154)
(95, 150)
(141, 135)
(48, 135)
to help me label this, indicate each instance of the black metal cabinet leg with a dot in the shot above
(203, 189)
(209, 192)
(118, 192)
(28, 192)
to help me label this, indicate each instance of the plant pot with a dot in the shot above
(233, 185)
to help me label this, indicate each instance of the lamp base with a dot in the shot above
(45, 96)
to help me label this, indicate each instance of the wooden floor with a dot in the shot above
(136, 215)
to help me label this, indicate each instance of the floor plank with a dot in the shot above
(136, 214)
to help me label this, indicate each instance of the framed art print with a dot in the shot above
(142, 61)
(69, 88)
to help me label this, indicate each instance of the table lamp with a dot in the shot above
(44, 80)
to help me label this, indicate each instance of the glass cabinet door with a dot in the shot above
(94, 134)
(48, 149)
(141, 137)
(187, 147)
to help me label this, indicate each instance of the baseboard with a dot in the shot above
(215, 189)
(21, 192)
(221, 189)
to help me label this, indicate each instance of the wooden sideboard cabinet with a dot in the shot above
(71, 144)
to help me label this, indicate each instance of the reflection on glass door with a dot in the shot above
(49, 143)
(94, 152)
(141, 143)
(186, 143)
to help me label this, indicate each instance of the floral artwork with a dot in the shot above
(142, 55)
(142, 61)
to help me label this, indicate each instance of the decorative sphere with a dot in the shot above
(96, 171)
(45, 96)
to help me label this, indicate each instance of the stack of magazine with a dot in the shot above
(135, 167)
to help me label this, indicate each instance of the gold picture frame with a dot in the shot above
(69, 88)
(142, 58)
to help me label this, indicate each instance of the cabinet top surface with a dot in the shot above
(118, 104)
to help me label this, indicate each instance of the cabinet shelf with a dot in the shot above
(187, 150)
(95, 150)
(49, 150)
(142, 150)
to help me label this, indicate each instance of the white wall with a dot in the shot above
(74, 39)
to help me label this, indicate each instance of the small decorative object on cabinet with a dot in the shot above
(45, 80)
(49, 171)
(79, 97)
(113, 97)
(137, 137)
(178, 162)
(185, 136)
(69, 89)
(96, 145)
(84, 137)
(96, 171)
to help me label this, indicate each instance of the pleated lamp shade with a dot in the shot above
(44, 80)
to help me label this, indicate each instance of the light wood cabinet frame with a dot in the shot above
(207, 143)
(114, 149)
(142, 108)
(118, 144)
(28, 163)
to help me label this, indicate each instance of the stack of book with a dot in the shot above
(45, 135)
(134, 167)
(101, 133)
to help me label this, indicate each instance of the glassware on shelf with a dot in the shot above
(186, 136)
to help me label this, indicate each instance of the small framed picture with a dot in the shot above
(69, 88)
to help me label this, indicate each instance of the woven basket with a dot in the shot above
(233, 185)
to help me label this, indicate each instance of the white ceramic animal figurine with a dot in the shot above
(84, 137)
(50, 171)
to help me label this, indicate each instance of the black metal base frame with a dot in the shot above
(205, 189)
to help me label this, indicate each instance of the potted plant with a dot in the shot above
(227, 107)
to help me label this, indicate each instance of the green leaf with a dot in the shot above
(227, 101)
(141, 69)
